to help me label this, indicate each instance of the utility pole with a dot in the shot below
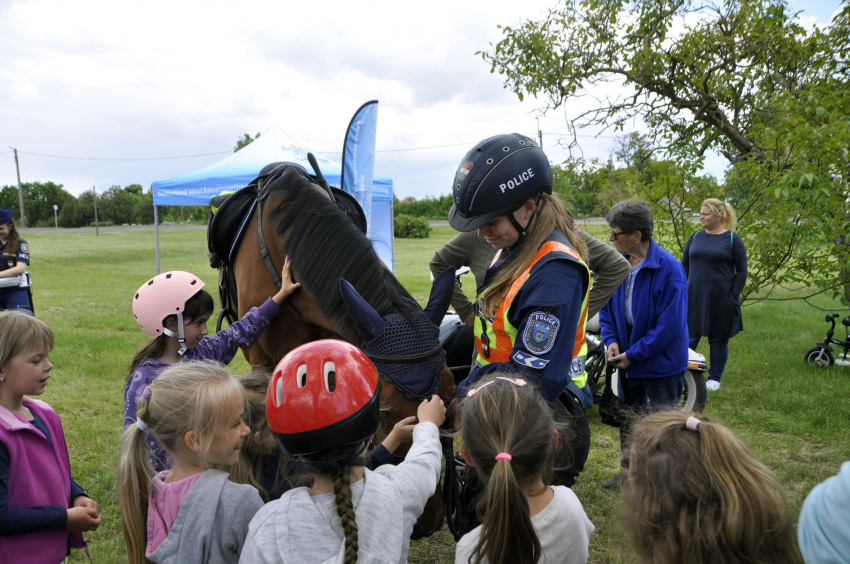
(539, 133)
(96, 226)
(20, 190)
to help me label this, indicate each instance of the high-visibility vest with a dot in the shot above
(500, 333)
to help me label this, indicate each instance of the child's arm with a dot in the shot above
(23, 520)
(402, 432)
(287, 285)
(417, 477)
(223, 346)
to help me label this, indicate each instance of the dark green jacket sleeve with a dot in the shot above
(465, 249)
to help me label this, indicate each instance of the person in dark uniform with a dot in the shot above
(16, 258)
(715, 261)
(531, 309)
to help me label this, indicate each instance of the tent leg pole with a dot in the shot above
(156, 235)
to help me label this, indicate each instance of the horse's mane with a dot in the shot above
(324, 245)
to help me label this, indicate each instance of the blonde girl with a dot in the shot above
(698, 495)
(195, 411)
(174, 309)
(511, 438)
(43, 511)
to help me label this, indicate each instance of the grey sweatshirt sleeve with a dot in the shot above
(417, 477)
(610, 267)
(455, 254)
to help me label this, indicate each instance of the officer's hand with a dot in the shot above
(613, 350)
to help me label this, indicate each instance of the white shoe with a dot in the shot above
(712, 385)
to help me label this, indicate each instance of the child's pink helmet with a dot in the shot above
(163, 295)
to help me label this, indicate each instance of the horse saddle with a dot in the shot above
(227, 226)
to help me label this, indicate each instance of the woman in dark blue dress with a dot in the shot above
(715, 262)
(15, 259)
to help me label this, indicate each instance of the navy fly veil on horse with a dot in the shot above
(409, 356)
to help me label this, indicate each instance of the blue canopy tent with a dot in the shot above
(240, 168)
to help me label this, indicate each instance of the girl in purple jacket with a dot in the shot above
(174, 309)
(43, 511)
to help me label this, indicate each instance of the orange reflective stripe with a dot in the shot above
(500, 351)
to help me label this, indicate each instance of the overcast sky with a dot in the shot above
(120, 80)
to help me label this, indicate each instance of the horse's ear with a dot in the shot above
(441, 296)
(368, 321)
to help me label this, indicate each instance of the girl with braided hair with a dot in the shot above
(323, 409)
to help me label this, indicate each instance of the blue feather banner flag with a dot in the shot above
(358, 157)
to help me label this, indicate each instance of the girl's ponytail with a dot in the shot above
(508, 432)
(134, 482)
(509, 535)
(345, 510)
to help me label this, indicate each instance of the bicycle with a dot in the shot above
(822, 354)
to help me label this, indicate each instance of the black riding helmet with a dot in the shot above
(496, 178)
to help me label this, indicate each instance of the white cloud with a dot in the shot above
(157, 79)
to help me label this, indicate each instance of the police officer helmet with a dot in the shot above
(496, 178)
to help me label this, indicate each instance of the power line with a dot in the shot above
(138, 159)
(400, 150)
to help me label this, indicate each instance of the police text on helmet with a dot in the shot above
(517, 180)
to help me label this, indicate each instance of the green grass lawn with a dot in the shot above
(793, 416)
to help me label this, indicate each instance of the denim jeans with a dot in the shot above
(718, 353)
(647, 395)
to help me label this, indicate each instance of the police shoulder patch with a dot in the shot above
(25, 248)
(540, 332)
(528, 360)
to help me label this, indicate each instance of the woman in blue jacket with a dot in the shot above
(645, 323)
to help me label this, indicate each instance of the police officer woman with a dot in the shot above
(532, 306)
(16, 258)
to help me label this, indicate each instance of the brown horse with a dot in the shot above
(324, 246)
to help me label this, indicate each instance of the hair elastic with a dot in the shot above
(504, 455)
(146, 392)
(515, 381)
(692, 423)
(141, 425)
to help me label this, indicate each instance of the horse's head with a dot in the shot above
(405, 347)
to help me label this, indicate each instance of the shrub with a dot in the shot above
(409, 227)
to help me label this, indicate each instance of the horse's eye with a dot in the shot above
(301, 376)
(330, 376)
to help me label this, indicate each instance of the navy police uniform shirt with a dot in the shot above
(546, 313)
(22, 254)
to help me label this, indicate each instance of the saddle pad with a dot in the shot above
(228, 224)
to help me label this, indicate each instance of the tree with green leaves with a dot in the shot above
(245, 140)
(742, 79)
(39, 199)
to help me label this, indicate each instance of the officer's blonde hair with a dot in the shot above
(549, 214)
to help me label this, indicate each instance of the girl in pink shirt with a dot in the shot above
(191, 513)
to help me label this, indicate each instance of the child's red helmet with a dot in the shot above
(323, 402)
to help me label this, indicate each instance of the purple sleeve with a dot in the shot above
(141, 377)
(222, 346)
(23, 520)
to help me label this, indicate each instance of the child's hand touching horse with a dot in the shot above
(287, 284)
(433, 410)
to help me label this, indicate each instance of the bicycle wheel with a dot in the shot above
(820, 356)
(693, 392)
(594, 366)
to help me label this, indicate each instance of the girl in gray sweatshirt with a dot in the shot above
(191, 514)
